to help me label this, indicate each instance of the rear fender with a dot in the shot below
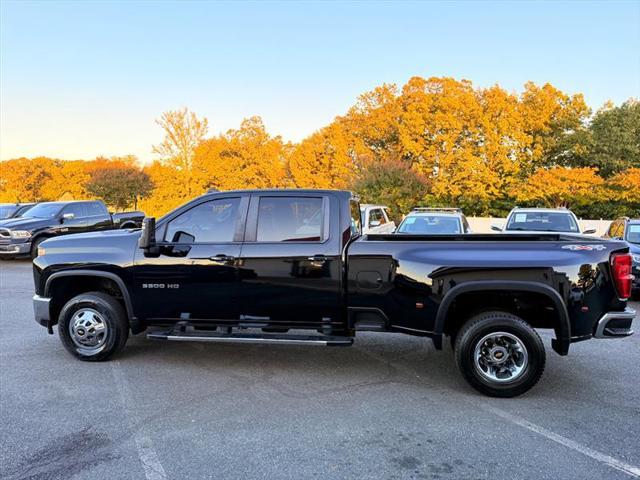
(560, 344)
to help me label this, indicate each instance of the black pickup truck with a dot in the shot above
(258, 266)
(13, 210)
(22, 236)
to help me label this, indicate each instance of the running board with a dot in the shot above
(324, 340)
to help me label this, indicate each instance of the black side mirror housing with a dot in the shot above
(147, 240)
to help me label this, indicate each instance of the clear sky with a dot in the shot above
(81, 79)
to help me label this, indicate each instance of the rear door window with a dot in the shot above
(291, 219)
(77, 209)
(95, 209)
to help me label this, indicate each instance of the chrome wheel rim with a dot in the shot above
(88, 330)
(500, 357)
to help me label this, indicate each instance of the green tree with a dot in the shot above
(120, 186)
(615, 138)
(391, 183)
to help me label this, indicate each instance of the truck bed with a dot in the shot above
(484, 237)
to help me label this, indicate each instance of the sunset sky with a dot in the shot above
(80, 80)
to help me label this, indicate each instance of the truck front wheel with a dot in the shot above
(499, 354)
(93, 326)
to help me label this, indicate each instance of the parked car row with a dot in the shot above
(25, 226)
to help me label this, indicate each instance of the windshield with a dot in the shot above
(543, 222)
(43, 210)
(7, 210)
(430, 225)
(633, 235)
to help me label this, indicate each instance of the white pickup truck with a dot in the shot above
(375, 219)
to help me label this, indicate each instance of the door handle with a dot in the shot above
(222, 258)
(318, 258)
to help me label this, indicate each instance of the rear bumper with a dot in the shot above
(41, 310)
(615, 324)
(12, 249)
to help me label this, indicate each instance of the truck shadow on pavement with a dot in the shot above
(305, 372)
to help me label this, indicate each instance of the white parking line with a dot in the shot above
(589, 452)
(148, 457)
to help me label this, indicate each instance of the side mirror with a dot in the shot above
(68, 216)
(147, 238)
(496, 227)
(374, 223)
(591, 231)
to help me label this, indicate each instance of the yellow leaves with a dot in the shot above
(478, 148)
(323, 160)
(42, 179)
(244, 158)
(625, 186)
(561, 186)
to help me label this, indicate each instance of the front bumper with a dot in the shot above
(12, 249)
(41, 310)
(615, 324)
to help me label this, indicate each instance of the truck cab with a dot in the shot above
(376, 219)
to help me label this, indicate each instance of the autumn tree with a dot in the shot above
(168, 192)
(67, 180)
(391, 183)
(551, 118)
(119, 186)
(247, 157)
(372, 124)
(323, 160)
(24, 180)
(561, 186)
(183, 132)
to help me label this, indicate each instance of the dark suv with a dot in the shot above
(628, 229)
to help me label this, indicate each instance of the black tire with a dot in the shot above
(109, 311)
(34, 247)
(479, 327)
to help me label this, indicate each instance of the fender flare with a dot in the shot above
(94, 273)
(562, 328)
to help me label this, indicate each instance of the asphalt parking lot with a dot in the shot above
(389, 407)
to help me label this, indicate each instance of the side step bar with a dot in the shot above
(204, 336)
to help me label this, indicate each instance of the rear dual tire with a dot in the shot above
(499, 354)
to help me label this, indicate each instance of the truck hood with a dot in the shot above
(27, 223)
(111, 247)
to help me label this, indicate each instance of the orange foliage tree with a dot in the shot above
(326, 159)
(247, 157)
(561, 187)
(477, 148)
